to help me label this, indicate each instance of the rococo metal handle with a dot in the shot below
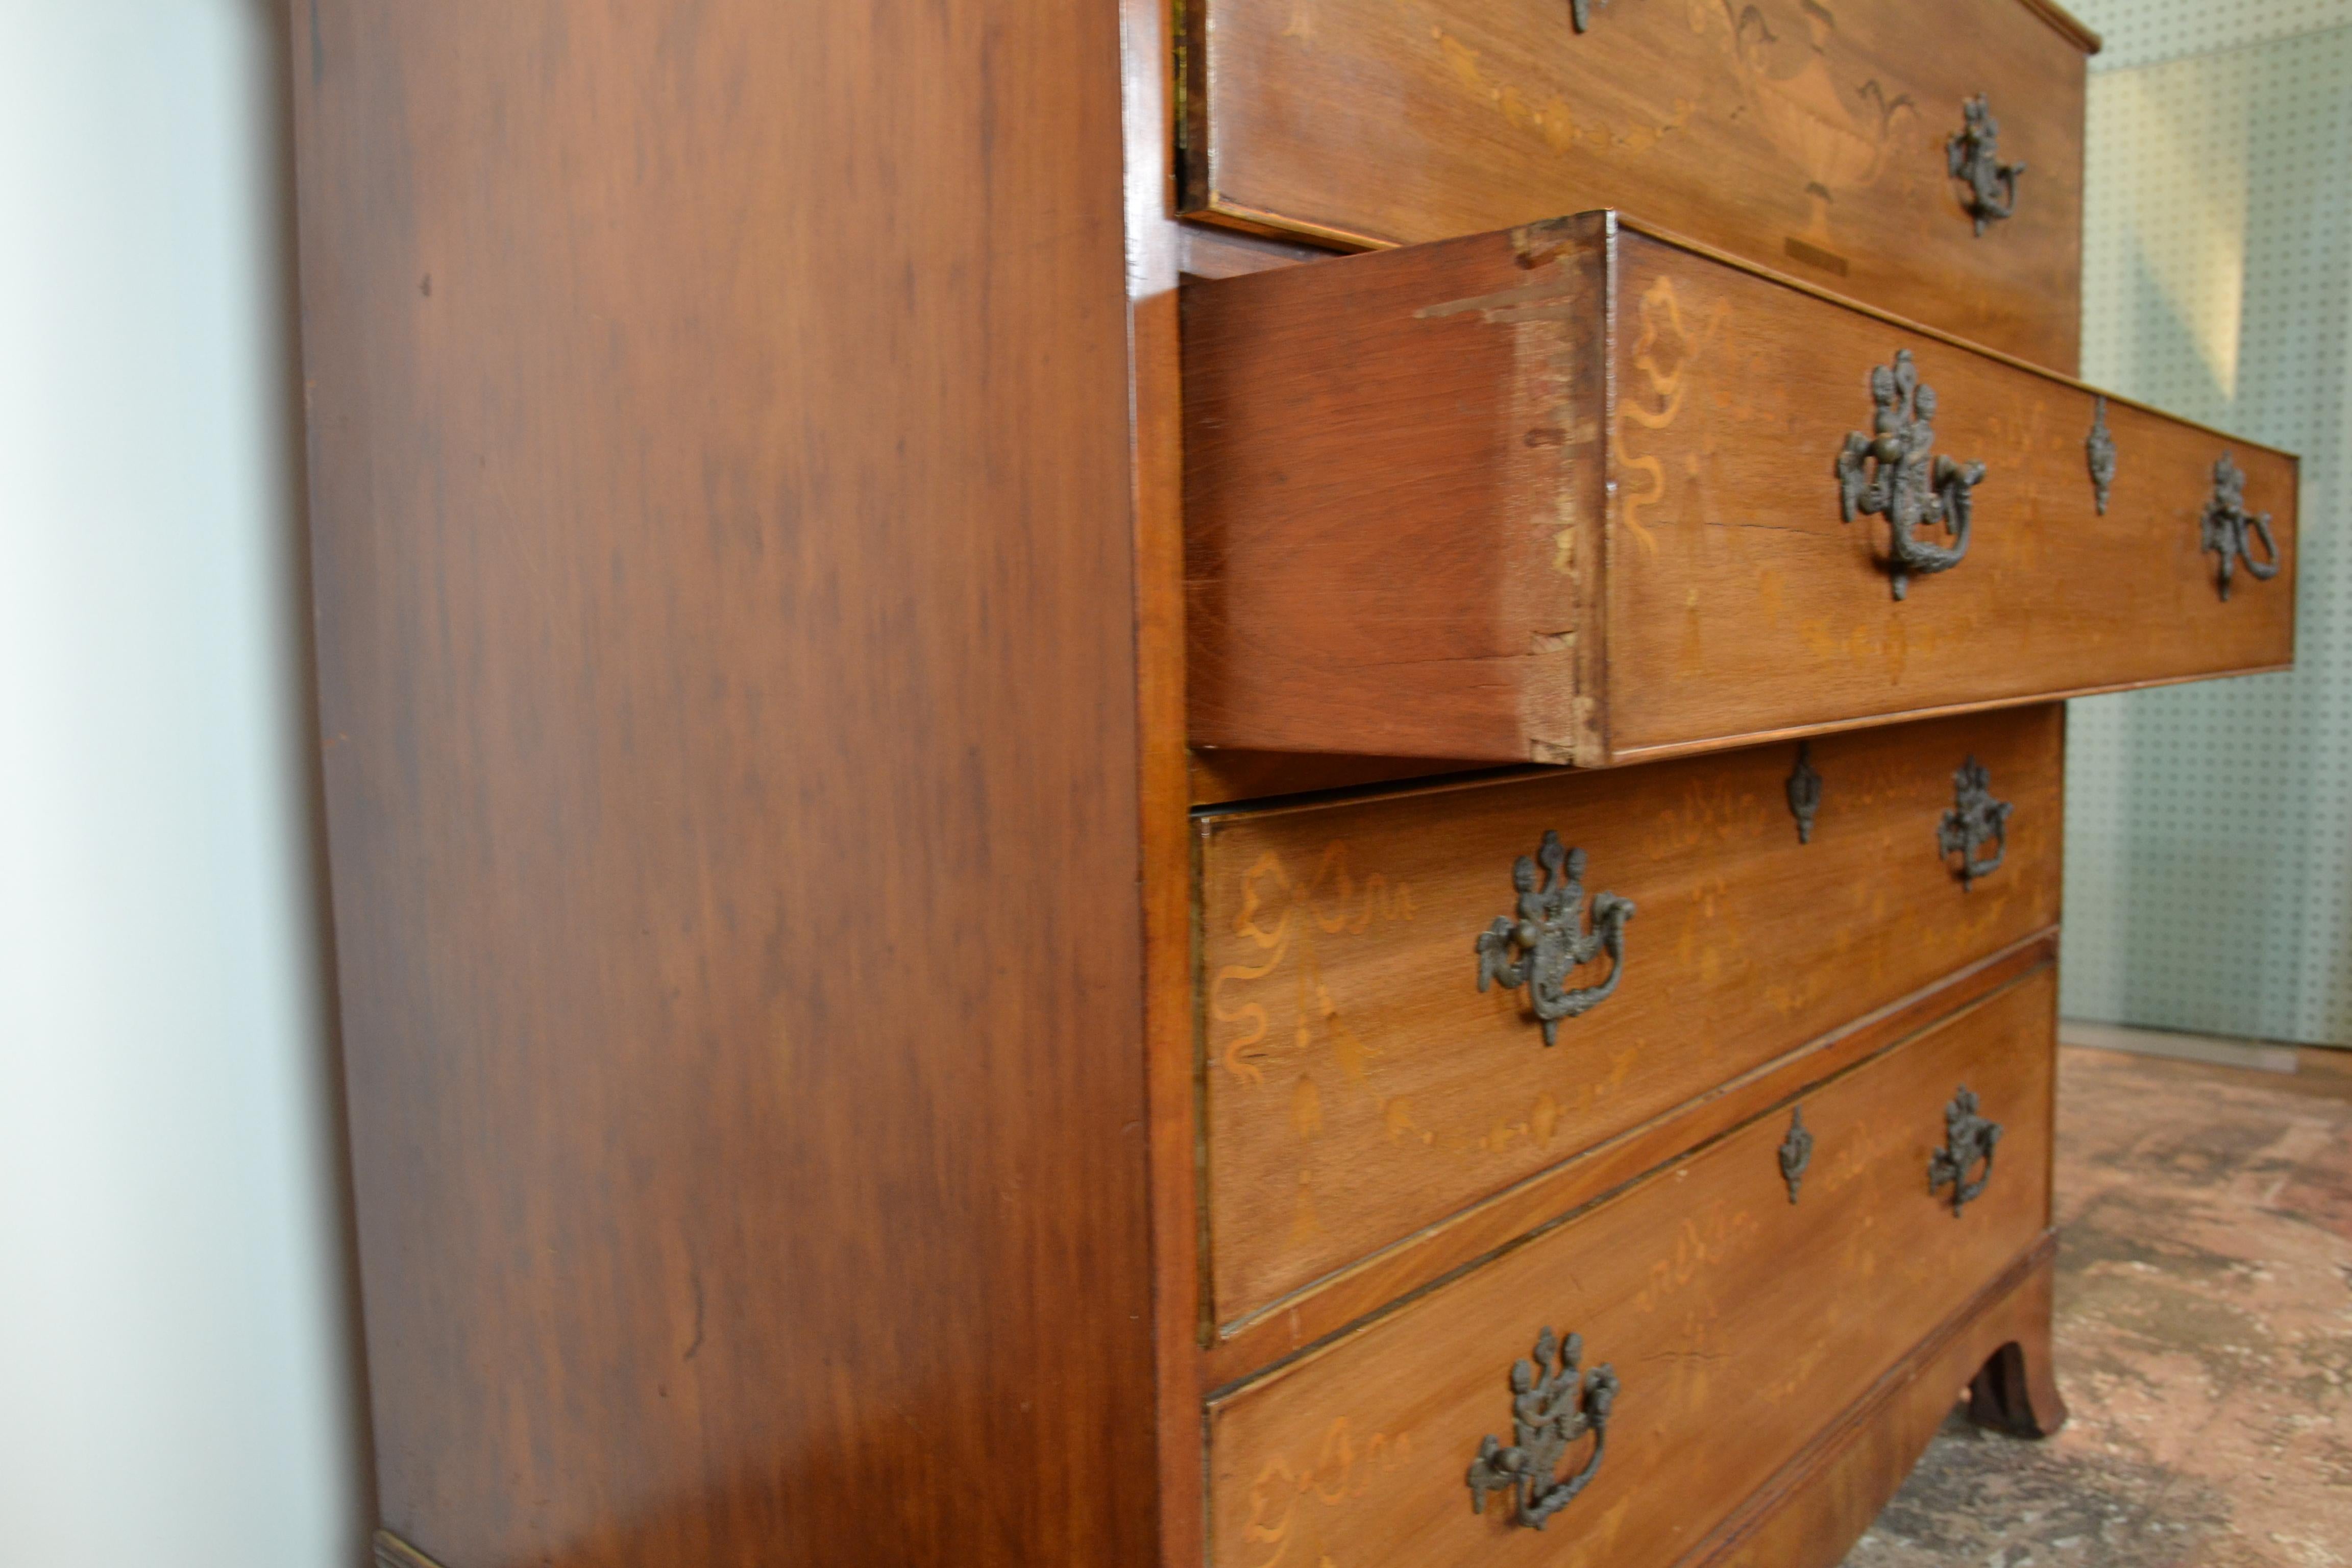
(1890, 473)
(2228, 527)
(1975, 820)
(1553, 1403)
(1546, 940)
(1581, 12)
(1973, 155)
(1968, 1144)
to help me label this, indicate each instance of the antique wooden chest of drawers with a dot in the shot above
(1274, 783)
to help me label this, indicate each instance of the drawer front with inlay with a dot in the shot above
(1578, 493)
(1728, 1307)
(1846, 145)
(1412, 1002)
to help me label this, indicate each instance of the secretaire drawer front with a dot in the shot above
(1840, 148)
(1738, 1302)
(1578, 493)
(1394, 1022)
(1737, 562)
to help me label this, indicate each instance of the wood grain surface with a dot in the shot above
(1475, 1237)
(726, 597)
(1154, 260)
(1359, 1087)
(1385, 495)
(1807, 137)
(1567, 493)
(1217, 777)
(1739, 1325)
(1811, 1514)
(1727, 556)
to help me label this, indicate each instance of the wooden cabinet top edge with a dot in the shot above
(2067, 25)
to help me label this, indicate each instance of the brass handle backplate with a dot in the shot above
(1975, 820)
(1890, 473)
(1545, 939)
(1973, 155)
(2228, 528)
(1553, 1405)
(1968, 1144)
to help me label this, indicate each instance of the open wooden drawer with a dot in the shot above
(1579, 492)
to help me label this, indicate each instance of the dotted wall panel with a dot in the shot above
(2145, 32)
(2210, 827)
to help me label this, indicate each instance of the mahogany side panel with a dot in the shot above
(1808, 138)
(726, 602)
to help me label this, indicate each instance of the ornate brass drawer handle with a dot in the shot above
(1975, 820)
(1548, 939)
(1968, 1144)
(1890, 473)
(2228, 527)
(1552, 1405)
(1973, 155)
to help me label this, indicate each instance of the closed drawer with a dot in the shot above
(1362, 1087)
(1737, 1324)
(1815, 143)
(1575, 493)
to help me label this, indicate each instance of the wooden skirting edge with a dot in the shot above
(1832, 1441)
(391, 1552)
(2214, 1050)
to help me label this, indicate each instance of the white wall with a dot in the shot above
(174, 1377)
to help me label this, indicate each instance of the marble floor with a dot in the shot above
(2204, 1339)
